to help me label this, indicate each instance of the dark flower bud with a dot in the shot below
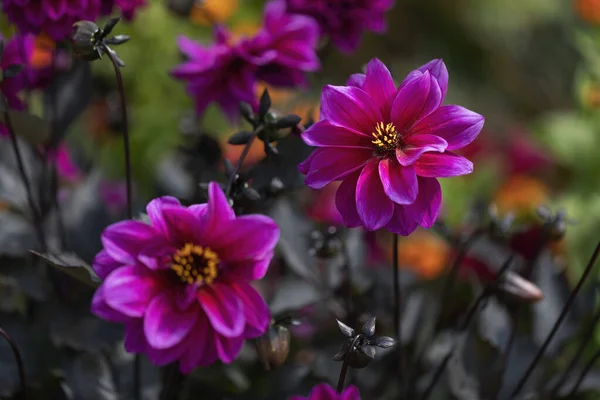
(118, 39)
(518, 289)
(289, 121)
(346, 330)
(264, 105)
(274, 346)
(250, 193)
(84, 40)
(362, 357)
(247, 112)
(276, 186)
(368, 328)
(242, 137)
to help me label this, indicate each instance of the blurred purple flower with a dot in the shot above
(17, 50)
(345, 20)
(65, 166)
(53, 17)
(181, 283)
(127, 7)
(113, 195)
(227, 71)
(326, 392)
(388, 145)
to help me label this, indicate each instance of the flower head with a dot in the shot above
(388, 145)
(326, 392)
(52, 17)
(345, 20)
(180, 284)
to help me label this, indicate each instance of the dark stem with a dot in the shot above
(589, 334)
(351, 312)
(171, 382)
(19, 359)
(240, 162)
(344, 370)
(397, 307)
(125, 123)
(585, 371)
(21, 166)
(558, 322)
(113, 59)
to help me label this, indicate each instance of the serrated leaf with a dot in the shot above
(30, 127)
(346, 330)
(73, 266)
(385, 342)
(368, 328)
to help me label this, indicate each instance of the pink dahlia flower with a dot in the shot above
(180, 284)
(345, 20)
(388, 146)
(227, 72)
(326, 392)
(53, 17)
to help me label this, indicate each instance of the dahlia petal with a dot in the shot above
(426, 207)
(134, 339)
(351, 393)
(434, 98)
(402, 222)
(185, 297)
(323, 392)
(304, 166)
(193, 49)
(100, 309)
(357, 80)
(345, 201)
(442, 165)
(399, 183)
(228, 348)
(330, 165)
(247, 237)
(438, 70)
(256, 311)
(380, 85)
(124, 240)
(326, 134)
(415, 145)
(201, 346)
(154, 210)
(248, 270)
(157, 254)
(165, 325)
(182, 226)
(223, 308)
(410, 102)
(219, 211)
(104, 264)
(374, 207)
(199, 210)
(129, 290)
(162, 357)
(457, 125)
(349, 106)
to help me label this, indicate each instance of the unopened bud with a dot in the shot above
(274, 346)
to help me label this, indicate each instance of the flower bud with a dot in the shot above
(274, 346)
(84, 39)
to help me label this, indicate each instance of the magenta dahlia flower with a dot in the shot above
(345, 20)
(53, 17)
(17, 50)
(180, 284)
(128, 8)
(326, 392)
(388, 146)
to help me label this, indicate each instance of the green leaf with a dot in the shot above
(72, 265)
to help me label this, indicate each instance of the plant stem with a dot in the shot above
(113, 59)
(19, 360)
(21, 166)
(558, 322)
(585, 371)
(344, 370)
(125, 124)
(589, 334)
(397, 307)
(240, 162)
(171, 382)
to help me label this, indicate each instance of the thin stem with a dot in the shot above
(125, 123)
(344, 370)
(19, 360)
(589, 333)
(397, 306)
(21, 166)
(585, 371)
(558, 322)
(171, 382)
(240, 162)
(347, 269)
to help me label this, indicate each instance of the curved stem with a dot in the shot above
(585, 371)
(240, 162)
(125, 124)
(558, 322)
(19, 359)
(21, 166)
(344, 370)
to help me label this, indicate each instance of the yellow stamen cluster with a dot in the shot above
(195, 264)
(386, 137)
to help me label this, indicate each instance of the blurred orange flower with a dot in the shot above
(588, 10)
(209, 12)
(43, 52)
(521, 195)
(232, 153)
(424, 253)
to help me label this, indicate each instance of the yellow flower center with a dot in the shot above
(385, 138)
(195, 264)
